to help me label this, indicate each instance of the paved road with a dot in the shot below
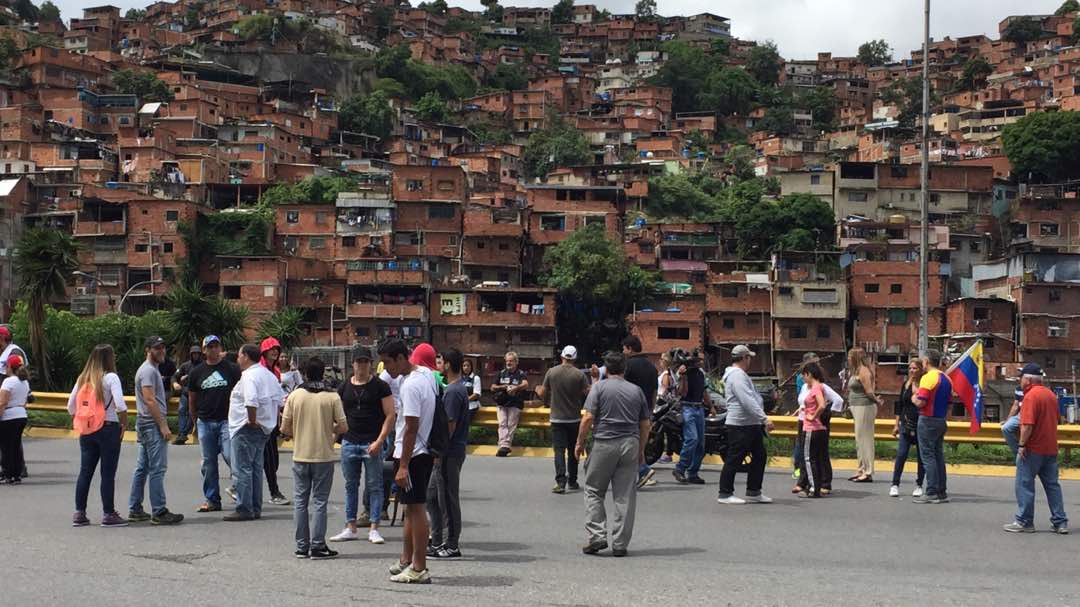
(522, 547)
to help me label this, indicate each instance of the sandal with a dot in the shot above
(855, 478)
(826, 491)
(208, 507)
(865, 479)
(796, 489)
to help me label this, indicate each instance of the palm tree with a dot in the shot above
(193, 314)
(285, 326)
(44, 260)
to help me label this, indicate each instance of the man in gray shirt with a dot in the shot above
(621, 415)
(564, 389)
(746, 424)
(152, 427)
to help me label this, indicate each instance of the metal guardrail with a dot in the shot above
(57, 401)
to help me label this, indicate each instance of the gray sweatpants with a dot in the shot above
(311, 481)
(613, 462)
(443, 503)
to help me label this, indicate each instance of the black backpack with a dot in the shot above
(438, 441)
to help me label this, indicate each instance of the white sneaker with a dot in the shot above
(894, 491)
(917, 492)
(731, 500)
(758, 499)
(347, 535)
(374, 537)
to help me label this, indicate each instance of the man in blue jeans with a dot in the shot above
(695, 400)
(209, 385)
(933, 399)
(152, 427)
(369, 410)
(253, 415)
(1011, 428)
(185, 422)
(1037, 455)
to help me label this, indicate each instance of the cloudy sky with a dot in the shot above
(801, 28)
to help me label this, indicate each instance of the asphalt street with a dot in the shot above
(522, 547)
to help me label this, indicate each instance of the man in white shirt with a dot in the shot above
(253, 413)
(415, 414)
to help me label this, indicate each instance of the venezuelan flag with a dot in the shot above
(966, 375)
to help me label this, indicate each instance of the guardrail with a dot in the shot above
(57, 401)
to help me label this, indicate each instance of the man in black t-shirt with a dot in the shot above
(509, 389)
(209, 386)
(642, 373)
(369, 410)
(443, 500)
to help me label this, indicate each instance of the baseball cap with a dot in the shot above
(209, 339)
(809, 356)
(195, 349)
(5, 332)
(569, 353)
(362, 353)
(741, 351)
(154, 341)
(1031, 369)
(14, 362)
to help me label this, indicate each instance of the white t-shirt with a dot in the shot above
(475, 404)
(259, 388)
(836, 402)
(417, 400)
(114, 397)
(8, 351)
(17, 390)
(395, 388)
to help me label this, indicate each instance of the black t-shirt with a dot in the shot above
(507, 377)
(213, 384)
(363, 409)
(642, 373)
(907, 411)
(695, 386)
(167, 369)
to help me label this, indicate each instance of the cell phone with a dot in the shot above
(408, 483)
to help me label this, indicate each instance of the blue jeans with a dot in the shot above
(102, 446)
(152, 463)
(693, 446)
(931, 438)
(903, 447)
(354, 460)
(214, 441)
(1046, 468)
(247, 468)
(311, 481)
(1011, 431)
(183, 417)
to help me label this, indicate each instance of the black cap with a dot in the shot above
(153, 341)
(362, 353)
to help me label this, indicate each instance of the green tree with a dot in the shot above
(728, 91)
(686, 70)
(763, 63)
(799, 221)
(436, 7)
(9, 52)
(677, 196)
(370, 114)
(48, 13)
(562, 12)
(432, 108)
(25, 9)
(193, 314)
(598, 287)
(1069, 6)
(142, 83)
(286, 325)
(192, 18)
(778, 120)
(493, 11)
(740, 161)
(560, 144)
(508, 77)
(823, 106)
(875, 53)
(1022, 30)
(974, 75)
(1043, 146)
(645, 9)
(135, 14)
(906, 93)
(383, 16)
(1075, 38)
(44, 261)
(720, 47)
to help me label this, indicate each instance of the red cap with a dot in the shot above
(14, 362)
(5, 332)
(423, 355)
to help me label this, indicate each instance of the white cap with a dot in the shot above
(569, 353)
(741, 352)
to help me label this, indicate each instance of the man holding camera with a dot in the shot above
(694, 401)
(746, 425)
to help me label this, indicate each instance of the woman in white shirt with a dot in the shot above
(13, 394)
(104, 445)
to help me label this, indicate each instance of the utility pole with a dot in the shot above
(924, 179)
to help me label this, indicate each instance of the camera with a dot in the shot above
(689, 358)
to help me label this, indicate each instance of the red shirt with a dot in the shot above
(1040, 410)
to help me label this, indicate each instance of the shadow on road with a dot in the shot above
(498, 546)
(683, 551)
(476, 581)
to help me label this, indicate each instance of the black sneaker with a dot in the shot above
(618, 552)
(166, 518)
(301, 554)
(594, 547)
(572, 486)
(679, 476)
(138, 516)
(433, 550)
(180, 440)
(558, 489)
(448, 553)
(695, 480)
(322, 553)
(502, 452)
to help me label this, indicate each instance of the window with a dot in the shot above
(857, 197)
(348, 241)
(440, 212)
(796, 332)
(320, 218)
(487, 336)
(988, 342)
(974, 246)
(729, 291)
(820, 296)
(503, 276)
(594, 220)
(504, 246)
(363, 331)
(935, 198)
(414, 185)
(896, 288)
(870, 287)
(815, 180)
(645, 247)
(445, 185)
(1057, 328)
(898, 317)
(1048, 229)
(292, 217)
(172, 215)
(1054, 295)
(981, 314)
(1050, 363)
(433, 266)
(409, 238)
(452, 240)
(141, 248)
(553, 222)
(786, 291)
(753, 321)
(167, 247)
(728, 323)
(673, 332)
(823, 332)
(268, 291)
(231, 292)
(317, 242)
(480, 244)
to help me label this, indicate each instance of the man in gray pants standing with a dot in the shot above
(620, 413)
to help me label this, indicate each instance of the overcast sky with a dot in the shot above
(801, 28)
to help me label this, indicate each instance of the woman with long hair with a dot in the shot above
(863, 402)
(99, 383)
(13, 395)
(905, 431)
(815, 435)
(667, 387)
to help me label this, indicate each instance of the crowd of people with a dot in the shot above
(403, 416)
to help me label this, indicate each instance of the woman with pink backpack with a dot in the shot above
(99, 416)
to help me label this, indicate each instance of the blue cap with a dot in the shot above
(1031, 369)
(209, 339)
